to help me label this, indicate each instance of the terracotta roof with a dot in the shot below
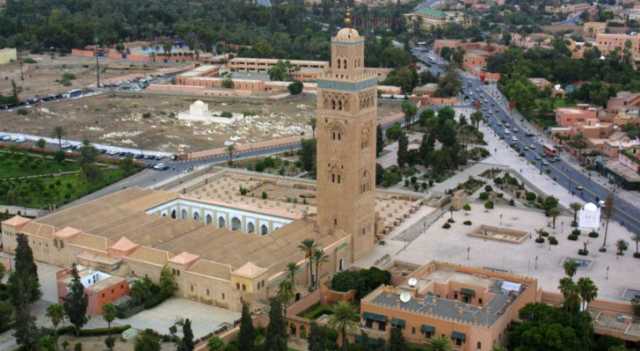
(184, 258)
(249, 270)
(16, 221)
(124, 244)
(66, 233)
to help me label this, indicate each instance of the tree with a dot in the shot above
(58, 133)
(403, 150)
(635, 238)
(476, 118)
(110, 342)
(396, 341)
(247, 335)
(6, 314)
(308, 246)
(440, 343)
(343, 320)
(186, 343)
(588, 291)
(215, 344)
(76, 301)
(276, 338)
(109, 313)
(308, 155)
(379, 140)
(295, 87)
(449, 85)
(167, 283)
(635, 303)
(570, 268)
(23, 284)
(569, 291)
(55, 313)
(41, 143)
(319, 257)
(316, 338)
(281, 71)
(147, 340)
(127, 166)
(26, 331)
(622, 246)
(409, 109)
(231, 148)
(227, 83)
(575, 206)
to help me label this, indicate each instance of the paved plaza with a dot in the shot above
(612, 274)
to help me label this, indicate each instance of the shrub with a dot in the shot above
(77, 346)
(553, 240)
(572, 237)
(530, 196)
(488, 188)
(636, 254)
(446, 226)
(484, 196)
(576, 232)
(363, 281)
(583, 252)
(488, 205)
(467, 222)
(593, 234)
(451, 220)
(295, 87)
(466, 207)
(22, 112)
(539, 240)
(226, 114)
(264, 195)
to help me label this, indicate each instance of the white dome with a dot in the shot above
(347, 34)
(198, 103)
(590, 207)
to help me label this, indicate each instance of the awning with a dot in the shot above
(398, 323)
(458, 336)
(428, 329)
(468, 292)
(374, 317)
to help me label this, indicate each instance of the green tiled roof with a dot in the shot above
(429, 12)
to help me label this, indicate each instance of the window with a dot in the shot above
(223, 296)
(244, 287)
(479, 346)
(238, 286)
(207, 292)
(413, 330)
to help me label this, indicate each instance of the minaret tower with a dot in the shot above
(346, 143)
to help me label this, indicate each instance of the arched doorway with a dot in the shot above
(196, 216)
(184, 214)
(208, 219)
(251, 227)
(221, 222)
(264, 230)
(173, 214)
(235, 223)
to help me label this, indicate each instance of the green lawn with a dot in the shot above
(316, 311)
(21, 164)
(41, 192)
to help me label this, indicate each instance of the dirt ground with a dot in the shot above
(40, 77)
(149, 121)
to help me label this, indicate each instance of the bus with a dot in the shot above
(549, 150)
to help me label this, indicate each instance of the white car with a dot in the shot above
(160, 167)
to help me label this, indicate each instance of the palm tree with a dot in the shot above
(292, 268)
(440, 343)
(575, 206)
(636, 239)
(307, 246)
(312, 123)
(343, 320)
(588, 291)
(58, 133)
(230, 150)
(554, 213)
(476, 118)
(55, 313)
(570, 268)
(569, 291)
(319, 257)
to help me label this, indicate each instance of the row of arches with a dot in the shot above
(235, 225)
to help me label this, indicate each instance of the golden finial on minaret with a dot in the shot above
(347, 18)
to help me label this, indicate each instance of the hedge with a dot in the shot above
(94, 332)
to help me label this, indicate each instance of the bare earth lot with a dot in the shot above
(148, 121)
(40, 77)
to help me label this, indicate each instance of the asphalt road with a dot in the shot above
(500, 119)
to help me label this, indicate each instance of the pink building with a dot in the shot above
(630, 158)
(576, 116)
(101, 288)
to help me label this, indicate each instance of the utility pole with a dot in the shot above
(97, 65)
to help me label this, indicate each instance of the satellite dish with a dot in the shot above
(413, 282)
(405, 296)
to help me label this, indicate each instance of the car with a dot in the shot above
(139, 156)
(529, 134)
(160, 166)
(538, 158)
(532, 146)
(580, 187)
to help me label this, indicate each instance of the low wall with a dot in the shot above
(23, 211)
(239, 149)
(513, 236)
